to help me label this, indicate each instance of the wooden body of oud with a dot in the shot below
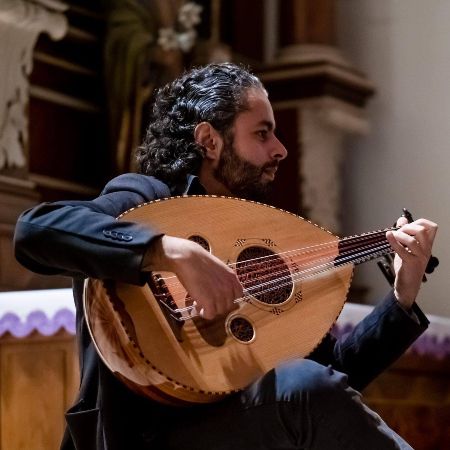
(203, 361)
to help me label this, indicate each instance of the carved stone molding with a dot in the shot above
(306, 53)
(21, 22)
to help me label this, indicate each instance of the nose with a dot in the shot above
(279, 151)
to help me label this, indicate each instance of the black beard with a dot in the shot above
(242, 178)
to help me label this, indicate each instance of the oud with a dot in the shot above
(295, 275)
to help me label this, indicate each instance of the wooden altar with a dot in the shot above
(39, 374)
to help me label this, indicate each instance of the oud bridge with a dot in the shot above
(167, 302)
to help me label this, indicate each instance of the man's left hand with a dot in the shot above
(412, 243)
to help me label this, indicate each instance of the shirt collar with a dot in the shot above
(192, 187)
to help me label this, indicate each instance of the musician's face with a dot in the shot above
(251, 154)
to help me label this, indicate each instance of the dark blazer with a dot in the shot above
(83, 239)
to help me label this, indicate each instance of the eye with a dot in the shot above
(262, 134)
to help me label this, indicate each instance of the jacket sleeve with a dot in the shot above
(84, 239)
(374, 344)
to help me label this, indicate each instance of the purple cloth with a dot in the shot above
(38, 321)
(426, 344)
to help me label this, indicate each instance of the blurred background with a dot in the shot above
(361, 98)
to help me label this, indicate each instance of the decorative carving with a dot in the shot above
(21, 22)
(268, 242)
(277, 311)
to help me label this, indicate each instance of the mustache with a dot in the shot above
(270, 165)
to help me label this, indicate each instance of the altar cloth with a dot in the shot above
(49, 311)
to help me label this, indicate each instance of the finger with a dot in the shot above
(421, 225)
(401, 221)
(224, 305)
(197, 310)
(426, 223)
(208, 311)
(413, 246)
(423, 235)
(206, 314)
(238, 289)
(397, 245)
(226, 298)
(406, 239)
(430, 227)
(236, 293)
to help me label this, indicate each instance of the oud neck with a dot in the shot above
(363, 248)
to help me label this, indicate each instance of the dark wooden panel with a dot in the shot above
(83, 86)
(413, 397)
(89, 17)
(286, 193)
(86, 53)
(67, 143)
(89, 5)
(307, 22)
(67, 113)
(242, 27)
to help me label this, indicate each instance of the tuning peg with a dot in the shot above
(432, 264)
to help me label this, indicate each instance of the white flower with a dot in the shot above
(171, 38)
(186, 40)
(167, 38)
(189, 14)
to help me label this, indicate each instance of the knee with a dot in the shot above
(298, 378)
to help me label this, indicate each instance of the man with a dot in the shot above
(213, 131)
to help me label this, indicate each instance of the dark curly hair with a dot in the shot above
(215, 93)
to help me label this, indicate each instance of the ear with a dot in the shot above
(210, 139)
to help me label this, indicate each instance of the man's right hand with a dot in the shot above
(212, 285)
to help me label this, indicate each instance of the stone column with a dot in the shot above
(324, 126)
(311, 78)
(21, 22)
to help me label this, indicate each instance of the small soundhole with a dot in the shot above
(241, 329)
(200, 241)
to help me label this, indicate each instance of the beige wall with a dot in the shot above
(404, 48)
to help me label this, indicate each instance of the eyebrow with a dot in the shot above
(267, 123)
